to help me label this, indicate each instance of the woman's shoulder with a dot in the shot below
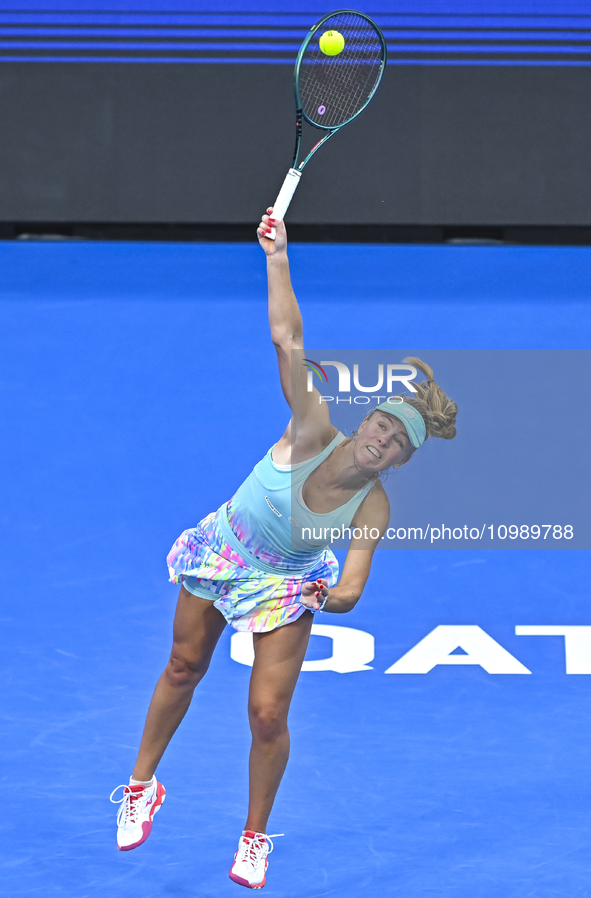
(375, 508)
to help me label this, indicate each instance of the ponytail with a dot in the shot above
(438, 410)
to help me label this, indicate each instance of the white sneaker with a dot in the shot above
(134, 818)
(250, 861)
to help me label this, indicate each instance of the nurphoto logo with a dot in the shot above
(397, 375)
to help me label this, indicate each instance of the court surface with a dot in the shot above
(138, 387)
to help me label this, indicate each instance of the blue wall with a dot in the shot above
(491, 33)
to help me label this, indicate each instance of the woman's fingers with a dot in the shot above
(276, 245)
(265, 225)
(310, 595)
(322, 587)
(268, 220)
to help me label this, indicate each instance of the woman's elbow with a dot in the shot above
(285, 339)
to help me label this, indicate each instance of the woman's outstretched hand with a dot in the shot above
(272, 247)
(314, 594)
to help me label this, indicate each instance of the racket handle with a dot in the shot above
(281, 205)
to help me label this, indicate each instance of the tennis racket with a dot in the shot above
(332, 89)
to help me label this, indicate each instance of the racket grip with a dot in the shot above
(281, 205)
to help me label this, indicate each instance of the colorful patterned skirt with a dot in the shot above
(250, 599)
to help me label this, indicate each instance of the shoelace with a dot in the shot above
(252, 851)
(128, 811)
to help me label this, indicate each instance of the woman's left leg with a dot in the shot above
(279, 655)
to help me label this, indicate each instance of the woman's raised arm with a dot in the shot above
(311, 429)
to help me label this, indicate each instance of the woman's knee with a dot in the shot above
(184, 669)
(268, 720)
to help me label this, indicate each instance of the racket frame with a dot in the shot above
(300, 114)
(293, 176)
(304, 47)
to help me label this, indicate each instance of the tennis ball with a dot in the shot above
(332, 43)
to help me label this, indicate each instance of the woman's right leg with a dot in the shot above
(197, 628)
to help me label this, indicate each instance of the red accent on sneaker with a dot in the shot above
(245, 882)
(146, 830)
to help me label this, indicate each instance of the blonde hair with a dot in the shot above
(438, 410)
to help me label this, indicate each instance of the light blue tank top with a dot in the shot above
(268, 521)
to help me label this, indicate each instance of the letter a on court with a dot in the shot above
(438, 645)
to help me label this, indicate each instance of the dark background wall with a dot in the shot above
(182, 143)
(150, 112)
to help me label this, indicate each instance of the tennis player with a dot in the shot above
(248, 565)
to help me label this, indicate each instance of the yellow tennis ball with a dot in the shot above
(332, 43)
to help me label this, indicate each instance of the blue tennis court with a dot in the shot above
(118, 362)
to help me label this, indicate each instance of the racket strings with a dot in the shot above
(335, 88)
